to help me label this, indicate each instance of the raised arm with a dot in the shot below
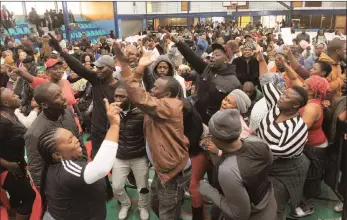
(74, 64)
(295, 64)
(104, 159)
(194, 60)
(290, 72)
(142, 99)
(23, 72)
(262, 63)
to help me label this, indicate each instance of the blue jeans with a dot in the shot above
(167, 198)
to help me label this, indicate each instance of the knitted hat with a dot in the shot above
(225, 124)
(242, 100)
(249, 45)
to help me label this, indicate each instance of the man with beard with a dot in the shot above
(217, 78)
(55, 114)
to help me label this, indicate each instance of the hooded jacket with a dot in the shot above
(151, 75)
(213, 84)
(336, 77)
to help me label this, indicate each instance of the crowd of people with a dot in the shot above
(265, 121)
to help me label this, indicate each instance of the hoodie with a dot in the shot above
(150, 76)
(335, 78)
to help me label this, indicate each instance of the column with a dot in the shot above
(66, 21)
(115, 18)
(144, 24)
(119, 29)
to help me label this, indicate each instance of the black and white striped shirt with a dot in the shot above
(286, 139)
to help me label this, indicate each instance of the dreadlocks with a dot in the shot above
(47, 147)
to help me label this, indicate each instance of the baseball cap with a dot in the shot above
(216, 46)
(105, 60)
(52, 62)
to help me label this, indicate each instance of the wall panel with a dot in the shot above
(97, 10)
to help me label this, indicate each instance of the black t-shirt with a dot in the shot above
(12, 141)
(101, 90)
(69, 197)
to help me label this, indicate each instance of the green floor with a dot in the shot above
(324, 206)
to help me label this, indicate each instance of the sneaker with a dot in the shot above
(338, 207)
(144, 214)
(123, 213)
(301, 212)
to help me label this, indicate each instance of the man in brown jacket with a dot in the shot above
(167, 146)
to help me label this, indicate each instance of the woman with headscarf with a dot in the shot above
(238, 100)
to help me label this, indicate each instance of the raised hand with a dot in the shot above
(146, 59)
(169, 35)
(19, 71)
(112, 111)
(258, 53)
(287, 49)
(118, 52)
(54, 43)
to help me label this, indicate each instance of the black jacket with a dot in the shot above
(192, 127)
(250, 73)
(27, 93)
(214, 84)
(131, 142)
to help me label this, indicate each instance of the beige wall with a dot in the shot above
(97, 10)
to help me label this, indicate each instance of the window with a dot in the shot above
(40, 7)
(303, 20)
(184, 6)
(75, 7)
(313, 4)
(15, 7)
(297, 4)
(149, 7)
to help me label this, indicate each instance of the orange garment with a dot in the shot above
(335, 78)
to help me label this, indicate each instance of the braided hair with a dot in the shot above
(46, 145)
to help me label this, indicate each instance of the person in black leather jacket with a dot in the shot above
(217, 78)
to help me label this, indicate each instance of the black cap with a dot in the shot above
(216, 46)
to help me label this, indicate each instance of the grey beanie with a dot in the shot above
(242, 100)
(226, 124)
